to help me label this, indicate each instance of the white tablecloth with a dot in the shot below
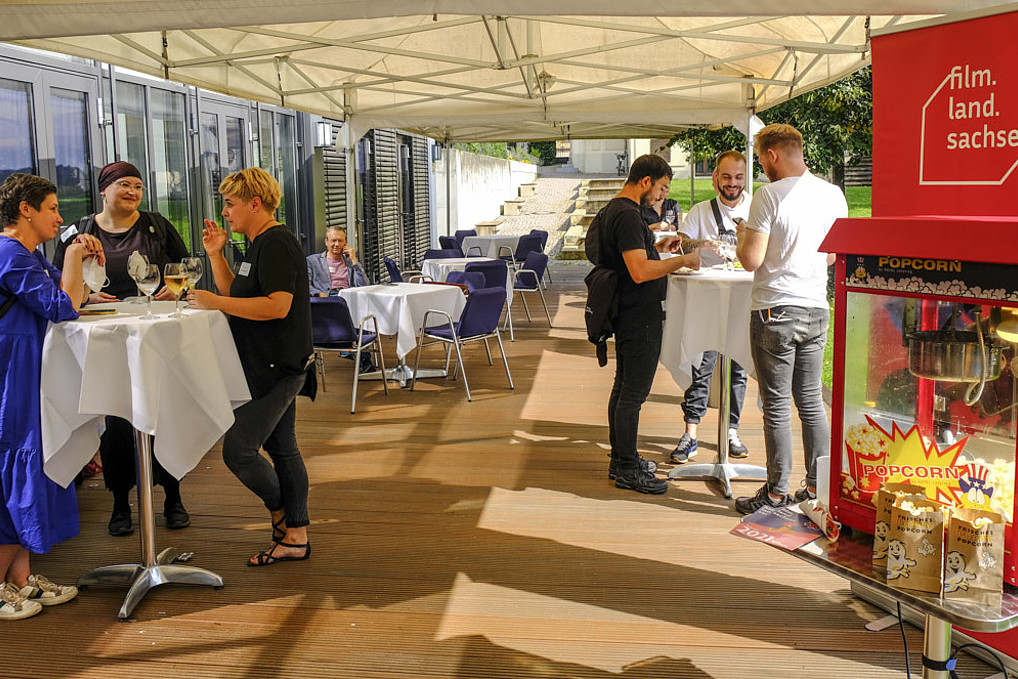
(400, 308)
(178, 379)
(490, 244)
(439, 270)
(706, 311)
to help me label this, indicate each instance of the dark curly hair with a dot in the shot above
(22, 187)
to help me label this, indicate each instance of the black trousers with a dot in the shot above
(117, 452)
(637, 347)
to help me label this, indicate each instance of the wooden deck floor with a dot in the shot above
(468, 540)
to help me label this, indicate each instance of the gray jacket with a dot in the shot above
(318, 273)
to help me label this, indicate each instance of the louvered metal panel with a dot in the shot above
(387, 196)
(334, 167)
(422, 198)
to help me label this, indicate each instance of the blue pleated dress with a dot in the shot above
(34, 511)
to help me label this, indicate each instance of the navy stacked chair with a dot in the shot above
(333, 329)
(527, 244)
(528, 279)
(450, 243)
(463, 233)
(544, 248)
(496, 275)
(473, 280)
(396, 276)
(479, 321)
(442, 254)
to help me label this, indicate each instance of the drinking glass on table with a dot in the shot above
(175, 278)
(147, 279)
(194, 269)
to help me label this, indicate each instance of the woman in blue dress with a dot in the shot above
(35, 513)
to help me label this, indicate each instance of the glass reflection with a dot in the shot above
(71, 153)
(169, 160)
(17, 150)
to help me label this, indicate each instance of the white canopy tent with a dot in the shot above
(473, 71)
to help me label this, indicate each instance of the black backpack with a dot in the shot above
(602, 291)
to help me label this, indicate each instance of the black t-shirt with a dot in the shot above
(626, 230)
(276, 349)
(143, 237)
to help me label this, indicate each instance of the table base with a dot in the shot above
(155, 569)
(143, 578)
(725, 472)
(404, 374)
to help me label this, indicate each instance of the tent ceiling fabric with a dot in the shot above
(471, 77)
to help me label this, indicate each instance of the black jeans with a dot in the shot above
(268, 422)
(637, 348)
(694, 403)
(117, 453)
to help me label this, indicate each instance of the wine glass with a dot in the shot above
(194, 269)
(175, 277)
(147, 278)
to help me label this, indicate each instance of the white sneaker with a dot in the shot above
(42, 591)
(13, 606)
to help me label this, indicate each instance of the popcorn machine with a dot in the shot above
(925, 337)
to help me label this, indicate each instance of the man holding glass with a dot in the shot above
(715, 220)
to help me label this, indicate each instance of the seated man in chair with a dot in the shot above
(336, 269)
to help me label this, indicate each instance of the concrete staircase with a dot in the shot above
(593, 195)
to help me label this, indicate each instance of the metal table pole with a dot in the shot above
(154, 569)
(936, 645)
(721, 469)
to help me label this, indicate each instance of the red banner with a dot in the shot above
(945, 119)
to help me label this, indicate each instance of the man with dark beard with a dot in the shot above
(628, 248)
(713, 220)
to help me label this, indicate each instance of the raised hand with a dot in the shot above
(213, 238)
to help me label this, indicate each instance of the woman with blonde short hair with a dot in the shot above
(268, 304)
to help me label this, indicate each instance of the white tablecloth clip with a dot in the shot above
(821, 516)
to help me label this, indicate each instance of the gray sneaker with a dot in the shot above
(641, 482)
(648, 466)
(748, 505)
(804, 494)
(685, 450)
(736, 449)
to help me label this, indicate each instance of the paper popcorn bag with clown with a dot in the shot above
(886, 496)
(915, 545)
(974, 556)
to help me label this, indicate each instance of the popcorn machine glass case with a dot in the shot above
(925, 332)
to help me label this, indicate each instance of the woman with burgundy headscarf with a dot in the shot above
(122, 229)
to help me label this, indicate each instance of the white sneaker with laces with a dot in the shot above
(13, 606)
(39, 589)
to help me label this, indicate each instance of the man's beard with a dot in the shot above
(731, 195)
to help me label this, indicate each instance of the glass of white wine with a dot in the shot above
(175, 278)
(147, 278)
(194, 269)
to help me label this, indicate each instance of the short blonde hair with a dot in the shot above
(778, 136)
(251, 182)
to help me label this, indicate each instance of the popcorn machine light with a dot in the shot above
(925, 338)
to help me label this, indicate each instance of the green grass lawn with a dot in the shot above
(858, 198)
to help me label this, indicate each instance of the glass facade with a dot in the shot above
(72, 153)
(286, 171)
(132, 133)
(17, 136)
(169, 159)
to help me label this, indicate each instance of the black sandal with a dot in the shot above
(279, 529)
(267, 558)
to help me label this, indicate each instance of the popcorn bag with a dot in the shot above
(915, 545)
(974, 562)
(889, 492)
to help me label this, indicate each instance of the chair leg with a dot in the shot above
(545, 305)
(523, 298)
(505, 360)
(512, 336)
(488, 349)
(448, 357)
(417, 361)
(459, 360)
(356, 378)
(377, 346)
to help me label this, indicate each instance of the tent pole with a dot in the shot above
(448, 187)
(692, 180)
(749, 153)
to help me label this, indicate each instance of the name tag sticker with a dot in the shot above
(69, 232)
(244, 269)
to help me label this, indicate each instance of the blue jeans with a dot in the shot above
(637, 348)
(694, 402)
(268, 422)
(788, 351)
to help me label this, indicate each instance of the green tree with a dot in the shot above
(495, 149)
(543, 150)
(836, 122)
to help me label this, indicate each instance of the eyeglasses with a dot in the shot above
(128, 186)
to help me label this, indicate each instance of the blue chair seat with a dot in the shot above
(333, 329)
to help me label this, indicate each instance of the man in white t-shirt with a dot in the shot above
(710, 220)
(780, 243)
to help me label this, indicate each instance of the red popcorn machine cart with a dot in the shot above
(924, 389)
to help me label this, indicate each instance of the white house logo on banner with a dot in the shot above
(969, 130)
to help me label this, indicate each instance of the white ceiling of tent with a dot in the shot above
(430, 67)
